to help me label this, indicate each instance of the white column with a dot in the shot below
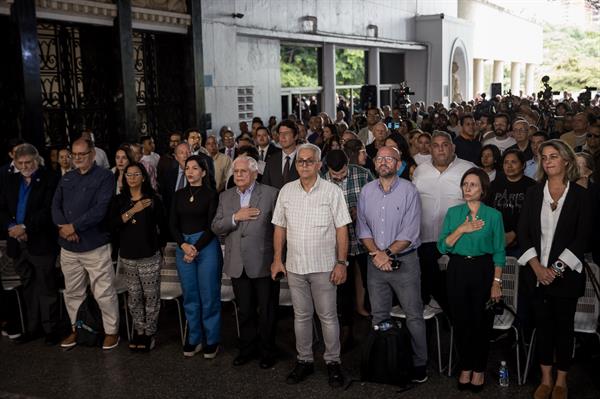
(529, 69)
(515, 78)
(477, 77)
(328, 80)
(498, 75)
(373, 78)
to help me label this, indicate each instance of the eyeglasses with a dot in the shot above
(590, 135)
(385, 159)
(80, 154)
(137, 174)
(305, 162)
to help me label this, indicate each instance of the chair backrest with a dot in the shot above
(285, 297)
(510, 282)
(10, 278)
(588, 307)
(120, 278)
(227, 294)
(443, 262)
(170, 285)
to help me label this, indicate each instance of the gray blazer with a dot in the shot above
(248, 245)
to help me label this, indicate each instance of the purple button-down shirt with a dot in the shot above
(389, 216)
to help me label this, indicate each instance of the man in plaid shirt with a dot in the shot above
(351, 179)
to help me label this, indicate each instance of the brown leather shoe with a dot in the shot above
(542, 392)
(559, 392)
(110, 341)
(70, 341)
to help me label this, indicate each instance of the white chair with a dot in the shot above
(586, 316)
(121, 288)
(227, 295)
(170, 285)
(430, 311)
(285, 299)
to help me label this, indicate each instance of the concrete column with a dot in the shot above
(374, 69)
(328, 80)
(529, 84)
(515, 78)
(498, 75)
(477, 77)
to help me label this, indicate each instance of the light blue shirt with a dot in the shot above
(530, 168)
(244, 199)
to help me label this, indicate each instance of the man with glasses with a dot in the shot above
(79, 209)
(592, 143)
(311, 215)
(389, 214)
(520, 133)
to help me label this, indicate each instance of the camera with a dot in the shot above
(547, 93)
(586, 96)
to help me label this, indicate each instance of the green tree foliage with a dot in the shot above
(300, 68)
(571, 58)
(350, 67)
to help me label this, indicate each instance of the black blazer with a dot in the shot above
(41, 231)
(272, 174)
(271, 150)
(572, 231)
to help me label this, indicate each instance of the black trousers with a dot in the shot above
(432, 279)
(40, 290)
(469, 284)
(346, 293)
(554, 321)
(257, 300)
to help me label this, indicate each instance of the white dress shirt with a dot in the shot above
(549, 220)
(420, 158)
(438, 192)
(311, 219)
(501, 144)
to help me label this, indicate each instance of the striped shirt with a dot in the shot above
(311, 219)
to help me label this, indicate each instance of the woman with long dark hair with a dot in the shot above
(199, 258)
(123, 157)
(490, 160)
(137, 219)
(554, 233)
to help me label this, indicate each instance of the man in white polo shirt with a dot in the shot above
(312, 216)
(438, 184)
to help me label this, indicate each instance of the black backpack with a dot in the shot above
(89, 328)
(387, 357)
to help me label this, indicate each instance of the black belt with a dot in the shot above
(469, 257)
(402, 254)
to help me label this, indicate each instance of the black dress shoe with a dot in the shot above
(300, 372)
(52, 339)
(463, 386)
(336, 378)
(240, 360)
(476, 388)
(267, 362)
(26, 338)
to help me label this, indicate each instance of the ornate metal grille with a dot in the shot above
(74, 70)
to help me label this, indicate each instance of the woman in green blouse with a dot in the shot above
(473, 236)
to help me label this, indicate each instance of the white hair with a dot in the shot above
(308, 146)
(252, 164)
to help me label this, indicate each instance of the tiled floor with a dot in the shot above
(36, 371)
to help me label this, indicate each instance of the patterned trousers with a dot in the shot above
(143, 285)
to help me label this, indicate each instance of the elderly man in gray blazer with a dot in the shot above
(244, 219)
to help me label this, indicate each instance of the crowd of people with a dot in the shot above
(350, 210)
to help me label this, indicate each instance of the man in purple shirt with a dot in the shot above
(389, 219)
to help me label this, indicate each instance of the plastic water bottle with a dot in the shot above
(503, 374)
(383, 326)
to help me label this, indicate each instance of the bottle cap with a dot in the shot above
(503, 363)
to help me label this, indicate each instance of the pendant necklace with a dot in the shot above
(193, 193)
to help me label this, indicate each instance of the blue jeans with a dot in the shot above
(201, 285)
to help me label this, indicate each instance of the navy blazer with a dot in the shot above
(41, 231)
(572, 231)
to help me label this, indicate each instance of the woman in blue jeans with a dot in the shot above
(199, 259)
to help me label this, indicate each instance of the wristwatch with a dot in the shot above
(341, 262)
(498, 280)
(388, 253)
(559, 267)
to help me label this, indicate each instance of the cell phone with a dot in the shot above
(279, 276)
(396, 264)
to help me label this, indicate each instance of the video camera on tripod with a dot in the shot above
(586, 96)
(547, 93)
(402, 99)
